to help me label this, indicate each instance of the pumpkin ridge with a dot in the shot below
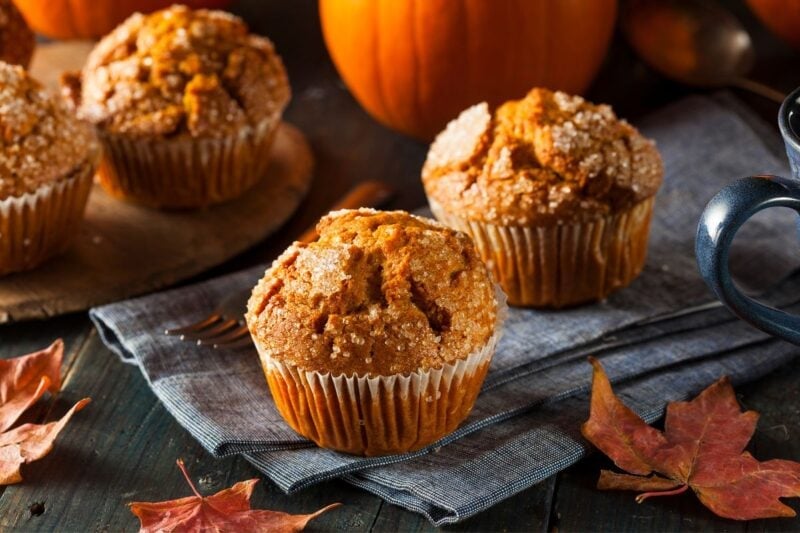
(416, 69)
(70, 19)
(387, 110)
(461, 53)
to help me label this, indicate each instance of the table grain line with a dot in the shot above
(377, 514)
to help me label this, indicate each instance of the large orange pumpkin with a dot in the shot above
(780, 16)
(86, 19)
(415, 64)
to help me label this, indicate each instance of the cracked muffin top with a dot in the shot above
(41, 140)
(546, 159)
(378, 293)
(180, 71)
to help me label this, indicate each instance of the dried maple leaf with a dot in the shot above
(702, 448)
(28, 443)
(227, 510)
(23, 380)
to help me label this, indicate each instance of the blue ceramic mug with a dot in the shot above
(730, 208)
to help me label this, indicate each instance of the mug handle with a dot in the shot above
(721, 219)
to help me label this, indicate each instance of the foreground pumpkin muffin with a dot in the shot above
(556, 192)
(186, 104)
(375, 339)
(46, 169)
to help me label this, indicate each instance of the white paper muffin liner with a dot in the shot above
(380, 415)
(186, 172)
(561, 265)
(38, 225)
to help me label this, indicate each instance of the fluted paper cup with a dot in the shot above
(561, 265)
(380, 415)
(39, 225)
(185, 172)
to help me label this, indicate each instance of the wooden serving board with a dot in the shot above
(124, 250)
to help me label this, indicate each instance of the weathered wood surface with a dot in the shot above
(123, 446)
(51, 59)
(123, 250)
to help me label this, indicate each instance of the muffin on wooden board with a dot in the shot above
(16, 38)
(556, 192)
(186, 104)
(375, 339)
(47, 163)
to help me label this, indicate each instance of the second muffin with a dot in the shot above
(186, 104)
(556, 192)
(47, 162)
(375, 338)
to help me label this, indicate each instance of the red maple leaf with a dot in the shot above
(227, 510)
(702, 448)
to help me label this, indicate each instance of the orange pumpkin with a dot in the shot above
(87, 19)
(415, 64)
(782, 17)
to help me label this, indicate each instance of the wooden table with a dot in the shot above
(124, 445)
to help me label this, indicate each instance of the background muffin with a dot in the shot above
(48, 160)
(186, 104)
(557, 193)
(375, 338)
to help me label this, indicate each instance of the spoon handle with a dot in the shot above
(759, 88)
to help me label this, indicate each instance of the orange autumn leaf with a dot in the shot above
(701, 447)
(28, 443)
(23, 380)
(227, 510)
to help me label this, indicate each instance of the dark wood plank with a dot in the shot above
(393, 518)
(19, 339)
(123, 447)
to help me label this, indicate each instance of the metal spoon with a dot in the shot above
(695, 42)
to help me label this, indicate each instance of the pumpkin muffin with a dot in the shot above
(376, 338)
(16, 38)
(47, 162)
(556, 192)
(186, 104)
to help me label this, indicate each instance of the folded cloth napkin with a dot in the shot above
(658, 339)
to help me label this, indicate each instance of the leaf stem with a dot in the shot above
(642, 497)
(188, 479)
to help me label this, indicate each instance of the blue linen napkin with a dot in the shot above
(525, 424)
